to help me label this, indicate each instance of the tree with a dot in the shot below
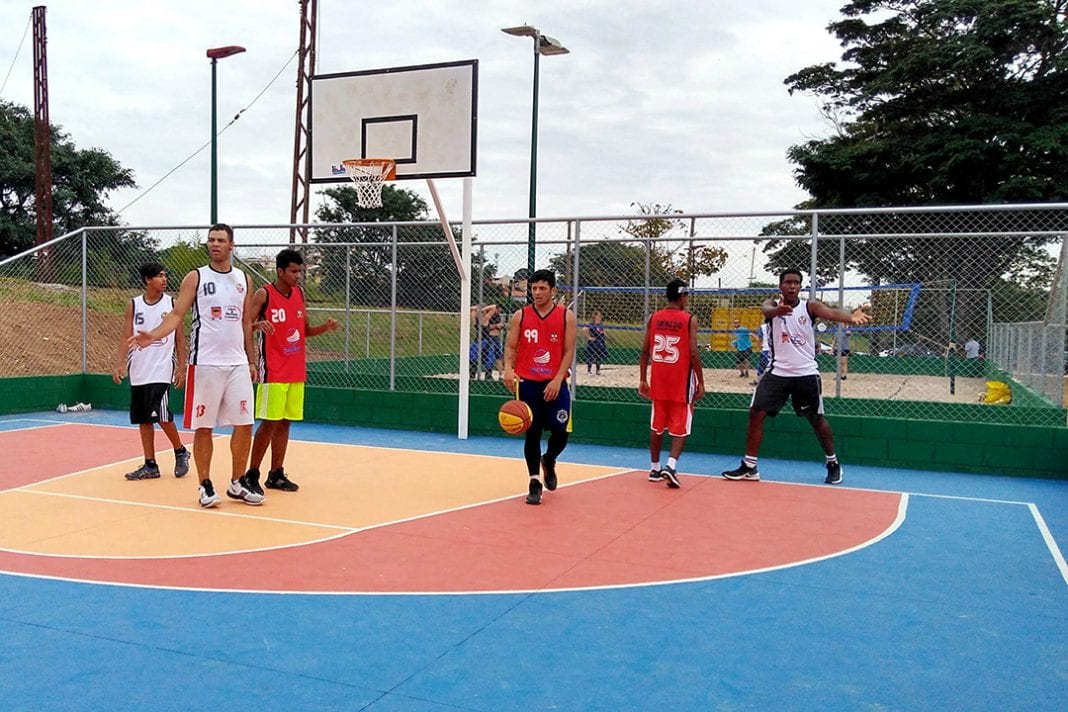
(81, 180)
(936, 102)
(695, 261)
(422, 272)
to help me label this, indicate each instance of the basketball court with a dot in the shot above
(407, 573)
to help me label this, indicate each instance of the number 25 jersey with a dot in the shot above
(672, 377)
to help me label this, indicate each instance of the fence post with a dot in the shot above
(348, 305)
(574, 304)
(812, 263)
(85, 304)
(393, 315)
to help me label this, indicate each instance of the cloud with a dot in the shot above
(664, 102)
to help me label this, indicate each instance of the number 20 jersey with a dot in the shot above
(282, 358)
(672, 377)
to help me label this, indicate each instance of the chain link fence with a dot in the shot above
(958, 297)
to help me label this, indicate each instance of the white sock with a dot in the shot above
(750, 461)
(672, 463)
(655, 466)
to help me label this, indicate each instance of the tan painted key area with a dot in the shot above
(343, 488)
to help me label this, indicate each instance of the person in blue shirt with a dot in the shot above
(743, 342)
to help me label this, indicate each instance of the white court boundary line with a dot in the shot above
(1040, 522)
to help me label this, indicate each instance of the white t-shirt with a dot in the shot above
(218, 337)
(793, 344)
(153, 363)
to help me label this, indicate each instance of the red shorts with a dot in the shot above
(672, 416)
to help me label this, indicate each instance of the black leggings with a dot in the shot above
(532, 448)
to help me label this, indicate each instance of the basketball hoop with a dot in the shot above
(368, 176)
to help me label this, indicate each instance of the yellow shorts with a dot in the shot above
(280, 401)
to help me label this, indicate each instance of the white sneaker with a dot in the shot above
(208, 498)
(239, 490)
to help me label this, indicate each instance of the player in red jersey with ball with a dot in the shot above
(537, 357)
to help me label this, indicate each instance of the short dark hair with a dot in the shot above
(225, 228)
(782, 275)
(544, 275)
(149, 270)
(287, 257)
(675, 289)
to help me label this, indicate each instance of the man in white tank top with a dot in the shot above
(152, 370)
(792, 373)
(222, 363)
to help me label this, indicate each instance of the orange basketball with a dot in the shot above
(514, 417)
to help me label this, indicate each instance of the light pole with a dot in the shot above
(547, 46)
(215, 55)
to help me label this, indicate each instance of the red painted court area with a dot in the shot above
(37, 454)
(611, 531)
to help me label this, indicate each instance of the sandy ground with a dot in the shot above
(857, 385)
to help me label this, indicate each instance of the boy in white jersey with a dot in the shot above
(222, 363)
(792, 373)
(152, 369)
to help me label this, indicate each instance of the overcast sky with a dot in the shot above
(658, 102)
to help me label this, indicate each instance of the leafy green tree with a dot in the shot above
(424, 272)
(683, 258)
(935, 102)
(81, 178)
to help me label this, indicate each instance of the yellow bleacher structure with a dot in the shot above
(723, 326)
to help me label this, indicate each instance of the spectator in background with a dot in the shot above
(971, 348)
(743, 342)
(596, 346)
(842, 345)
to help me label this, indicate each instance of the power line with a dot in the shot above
(192, 155)
(17, 51)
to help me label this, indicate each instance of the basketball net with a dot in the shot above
(368, 175)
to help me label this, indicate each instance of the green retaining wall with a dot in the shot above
(1022, 450)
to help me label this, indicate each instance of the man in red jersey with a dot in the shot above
(283, 321)
(677, 378)
(537, 357)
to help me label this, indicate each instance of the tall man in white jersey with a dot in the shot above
(792, 373)
(222, 363)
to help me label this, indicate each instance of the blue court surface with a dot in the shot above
(964, 606)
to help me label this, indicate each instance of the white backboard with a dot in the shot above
(423, 117)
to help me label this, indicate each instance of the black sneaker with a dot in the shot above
(671, 476)
(144, 472)
(742, 472)
(548, 469)
(276, 479)
(534, 496)
(656, 475)
(252, 481)
(181, 463)
(834, 473)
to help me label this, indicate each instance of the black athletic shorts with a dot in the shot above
(548, 415)
(744, 355)
(805, 392)
(150, 403)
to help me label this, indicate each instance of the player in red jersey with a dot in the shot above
(537, 357)
(677, 379)
(284, 326)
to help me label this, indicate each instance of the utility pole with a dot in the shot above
(298, 212)
(42, 143)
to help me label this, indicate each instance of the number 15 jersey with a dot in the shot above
(672, 377)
